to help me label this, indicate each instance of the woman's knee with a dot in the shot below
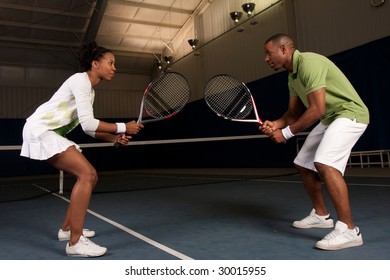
(90, 176)
(94, 177)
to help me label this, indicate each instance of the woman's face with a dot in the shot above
(106, 66)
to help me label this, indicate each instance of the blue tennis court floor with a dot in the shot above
(233, 220)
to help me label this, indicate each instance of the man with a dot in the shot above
(319, 91)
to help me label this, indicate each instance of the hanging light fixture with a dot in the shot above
(236, 16)
(193, 43)
(248, 8)
(168, 59)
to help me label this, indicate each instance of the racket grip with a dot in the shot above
(117, 145)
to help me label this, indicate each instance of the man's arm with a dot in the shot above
(313, 113)
(298, 122)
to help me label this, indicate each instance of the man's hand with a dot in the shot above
(268, 127)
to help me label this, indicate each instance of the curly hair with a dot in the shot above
(89, 52)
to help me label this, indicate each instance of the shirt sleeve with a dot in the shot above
(82, 91)
(313, 73)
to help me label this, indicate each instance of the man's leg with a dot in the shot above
(338, 192)
(313, 186)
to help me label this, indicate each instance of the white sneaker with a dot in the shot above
(85, 248)
(314, 221)
(340, 238)
(64, 235)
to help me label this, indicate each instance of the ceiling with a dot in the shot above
(138, 31)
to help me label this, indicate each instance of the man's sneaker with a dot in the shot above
(340, 238)
(314, 221)
(64, 235)
(85, 248)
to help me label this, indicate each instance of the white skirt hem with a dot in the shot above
(45, 146)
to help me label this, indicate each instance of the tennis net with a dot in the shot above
(151, 164)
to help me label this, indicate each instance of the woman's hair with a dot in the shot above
(90, 52)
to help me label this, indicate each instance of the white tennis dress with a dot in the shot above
(45, 130)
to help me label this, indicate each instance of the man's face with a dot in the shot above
(274, 55)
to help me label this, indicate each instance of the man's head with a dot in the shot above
(278, 50)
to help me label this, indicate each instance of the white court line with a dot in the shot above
(132, 232)
(142, 237)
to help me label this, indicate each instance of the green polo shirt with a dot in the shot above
(312, 71)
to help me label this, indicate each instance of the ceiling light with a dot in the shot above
(168, 59)
(248, 8)
(236, 16)
(193, 43)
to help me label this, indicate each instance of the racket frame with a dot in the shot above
(142, 109)
(257, 118)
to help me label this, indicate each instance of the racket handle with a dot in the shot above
(117, 145)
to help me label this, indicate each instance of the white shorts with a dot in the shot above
(330, 144)
(45, 146)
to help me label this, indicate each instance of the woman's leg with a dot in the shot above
(73, 162)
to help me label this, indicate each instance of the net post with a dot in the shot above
(61, 182)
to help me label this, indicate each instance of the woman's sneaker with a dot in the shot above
(340, 238)
(64, 235)
(314, 221)
(85, 248)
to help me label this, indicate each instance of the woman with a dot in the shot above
(44, 139)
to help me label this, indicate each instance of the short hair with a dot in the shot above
(281, 38)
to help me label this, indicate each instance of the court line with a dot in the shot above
(129, 231)
(142, 237)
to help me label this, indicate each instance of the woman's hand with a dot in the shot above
(133, 127)
(122, 139)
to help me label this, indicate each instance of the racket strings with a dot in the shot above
(167, 95)
(228, 97)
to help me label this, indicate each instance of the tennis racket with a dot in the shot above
(163, 98)
(231, 99)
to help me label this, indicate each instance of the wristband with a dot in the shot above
(120, 127)
(287, 134)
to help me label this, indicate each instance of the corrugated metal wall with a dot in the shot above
(241, 53)
(17, 103)
(333, 26)
(327, 27)
(223, 49)
(22, 90)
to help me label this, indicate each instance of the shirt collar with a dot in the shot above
(295, 65)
